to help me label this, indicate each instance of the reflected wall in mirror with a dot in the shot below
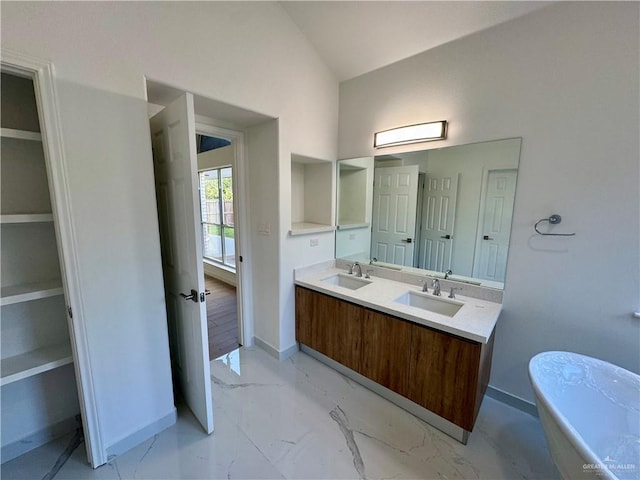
(437, 210)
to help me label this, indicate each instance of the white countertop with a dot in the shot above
(474, 321)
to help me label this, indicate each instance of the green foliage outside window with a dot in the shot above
(215, 230)
(211, 191)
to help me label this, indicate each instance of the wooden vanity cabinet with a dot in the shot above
(443, 373)
(449, 374)
(386, 344)
(329, 326)
(368, 342)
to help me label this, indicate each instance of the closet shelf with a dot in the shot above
(34, 362)
(31, 291)
(306, 228)
(352, 225)
(20, 134)
(27, 218)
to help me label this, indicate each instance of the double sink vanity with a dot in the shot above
(407, 218)
(429, 354)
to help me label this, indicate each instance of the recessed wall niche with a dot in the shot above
(311, 195)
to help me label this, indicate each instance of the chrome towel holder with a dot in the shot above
(553, 220)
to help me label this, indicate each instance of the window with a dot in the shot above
(218, 223)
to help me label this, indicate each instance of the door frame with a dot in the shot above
(419, 218)
(42, 72)
(243, 269)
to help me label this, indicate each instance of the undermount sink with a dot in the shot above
(346, 281)
(432, 303)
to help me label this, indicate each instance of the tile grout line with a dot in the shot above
(74, 443)
(338, 416)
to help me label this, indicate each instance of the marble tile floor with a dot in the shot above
(300, 419)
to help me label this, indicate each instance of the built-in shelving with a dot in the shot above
(307, 228)
(311, 195)
(20, 134)
(26, 218)
(33, 291)
(34, 362)
(39, 398)
(353, 225)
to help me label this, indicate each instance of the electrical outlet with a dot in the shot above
(313, 242)
(264, 228)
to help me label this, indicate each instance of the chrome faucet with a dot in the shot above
(436, 287)
(359, 271)
(452, 293)
(447, 273)
(425, 285)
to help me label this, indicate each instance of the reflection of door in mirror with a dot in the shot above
(436, 222)
(463, 216)
(395, 193)
(496, 206)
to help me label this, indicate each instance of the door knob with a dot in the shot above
(447, 236)
(407, 240)
(193, 296)
(487, 237)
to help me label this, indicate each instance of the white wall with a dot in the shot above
(297, 192)
(101, 52)
(565, 79)
(264, 247)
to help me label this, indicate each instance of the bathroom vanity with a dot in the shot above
(430, 355)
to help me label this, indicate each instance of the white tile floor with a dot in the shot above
(300, 419)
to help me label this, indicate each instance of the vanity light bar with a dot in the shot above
(422, 132)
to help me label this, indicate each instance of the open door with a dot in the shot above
(175, 163)
(395, 196)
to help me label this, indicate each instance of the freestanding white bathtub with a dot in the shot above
(589, 411)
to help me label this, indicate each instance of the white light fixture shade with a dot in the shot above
(423, 132)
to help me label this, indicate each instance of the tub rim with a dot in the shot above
(573, 436)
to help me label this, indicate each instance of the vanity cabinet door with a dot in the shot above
(385, 351)
(444, 372)
(329, 326)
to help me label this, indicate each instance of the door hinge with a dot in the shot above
(240, 258)
(69, 311)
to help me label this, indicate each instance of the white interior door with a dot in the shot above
(495, 225)
(395, 195)
(437, 222)
(174, 156)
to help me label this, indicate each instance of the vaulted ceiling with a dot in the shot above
(357, 37)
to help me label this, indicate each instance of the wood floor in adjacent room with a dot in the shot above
(222, 317)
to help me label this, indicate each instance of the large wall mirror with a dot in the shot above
(440, 210)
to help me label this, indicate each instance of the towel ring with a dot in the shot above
(553, 220)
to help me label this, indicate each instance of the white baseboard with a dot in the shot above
(127, 443)
(39, 438)
(287, 352)
(273, 351)
(511, 400)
